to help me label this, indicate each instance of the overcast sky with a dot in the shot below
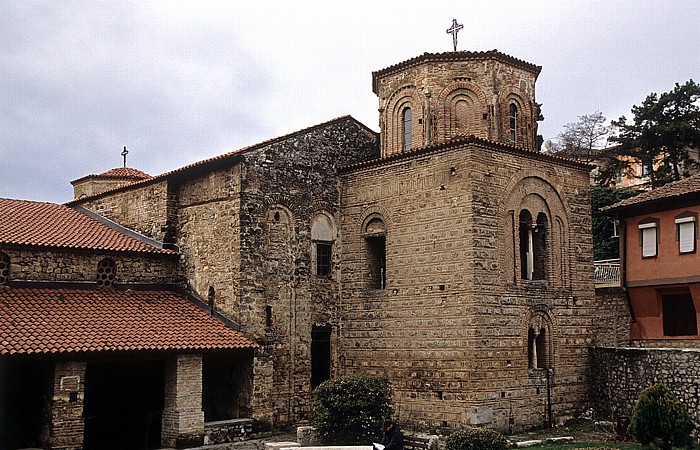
(180, 82)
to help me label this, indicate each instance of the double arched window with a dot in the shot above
(533, 245)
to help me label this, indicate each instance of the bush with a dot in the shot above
(660, 420)
(476, 439)
(351, 410)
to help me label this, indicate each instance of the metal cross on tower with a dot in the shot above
(124, 153)
(453, 30)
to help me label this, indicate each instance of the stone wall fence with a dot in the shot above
(618, 375)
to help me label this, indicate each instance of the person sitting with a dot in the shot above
(393, 438)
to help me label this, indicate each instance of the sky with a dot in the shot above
(178, 82)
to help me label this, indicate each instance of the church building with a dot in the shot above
(445, 253)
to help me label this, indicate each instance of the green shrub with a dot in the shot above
(351, 410)
(660, 420)
(476, 439)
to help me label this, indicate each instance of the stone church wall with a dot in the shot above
(143, 209)
(284, 185)
(35, 265)
(450, 330)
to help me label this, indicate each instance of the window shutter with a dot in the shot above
(686, 237)
(649, 242)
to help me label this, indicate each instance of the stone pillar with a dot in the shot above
(67, 422)
(183, 418)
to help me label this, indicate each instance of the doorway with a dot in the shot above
(320, 355)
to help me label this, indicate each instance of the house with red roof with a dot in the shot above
(96, 338)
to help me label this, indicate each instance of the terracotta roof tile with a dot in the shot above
(118, 173)
(673, 190)
(25, 222)
(71, 320)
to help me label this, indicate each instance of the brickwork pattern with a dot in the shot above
(45, 265)
(182, 412)
(437, 93)
(449, 331)
(67, 423)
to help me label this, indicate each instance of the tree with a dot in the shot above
(581, 139)
(605, 246)
(660, 420)
(664, 129)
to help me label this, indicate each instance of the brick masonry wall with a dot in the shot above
(143, 209)
(60, 266)
(620, 374)
(183, 418)
(67, 423)
(430, 89)
(283, 186)
(450, 331)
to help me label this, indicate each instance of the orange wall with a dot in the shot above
(646, 305)
(669, 262)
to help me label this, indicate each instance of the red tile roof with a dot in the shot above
(71, 320)
(25, 222)
(118, 173)
(686, 186)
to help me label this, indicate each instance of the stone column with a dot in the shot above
(183, 418)
(67, 422)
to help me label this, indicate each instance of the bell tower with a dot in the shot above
(436, 97)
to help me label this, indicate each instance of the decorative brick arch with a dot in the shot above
(529, 191)
(541, 322)
(401, 98)
(371, 213)
(525, 123)
(448, 116)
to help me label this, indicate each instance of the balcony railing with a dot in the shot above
(607, 272)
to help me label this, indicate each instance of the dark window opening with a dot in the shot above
(377, 263)
(4, 269)
(268, 316)
(105, 273)
(226, 388)
(537, 351)
(533, 246)
(320, 355)
(323, 259)
(513, 123)
(540, 248)
(679, 315)
(407, 129)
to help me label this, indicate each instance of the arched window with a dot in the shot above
(533, 246)
(105, 273)
(537, 351)
(4, 269)
(513, 123)
(375, 245)
(407, 128)
(322, 238)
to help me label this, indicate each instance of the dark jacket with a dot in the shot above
(393, 439)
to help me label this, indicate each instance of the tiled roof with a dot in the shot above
(71, 320)
(25, 222)
(669, 191)
(455, 56)
(118, 173)
(467, 140)
(226, 156)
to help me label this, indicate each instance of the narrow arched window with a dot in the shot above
(407, 129)
(513, 123)
(4, 269)
(105, 273)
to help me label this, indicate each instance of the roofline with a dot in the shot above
(667, 203)
(229, 157)
(463, 141)
(108, 177)
(455, 56)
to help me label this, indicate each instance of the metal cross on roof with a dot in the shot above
(124, 153)
(453, 30)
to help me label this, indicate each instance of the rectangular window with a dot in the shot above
(685, 228)
(648, 235)
(323, 259)
(679, 315)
